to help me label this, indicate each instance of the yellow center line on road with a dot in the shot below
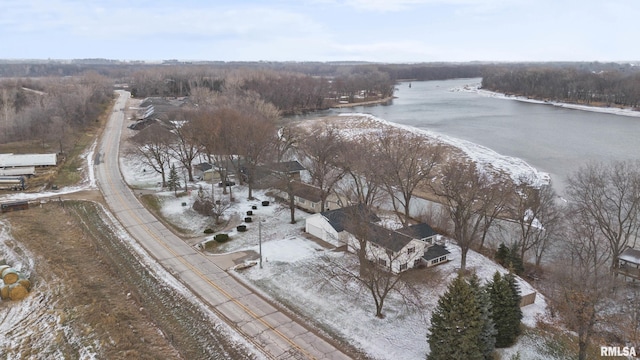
(216, 286)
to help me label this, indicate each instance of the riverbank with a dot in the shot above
(364, 103)
(517, 169)
(475, 88)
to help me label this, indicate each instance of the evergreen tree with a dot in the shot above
(514, 261)
(456, 324)
(516, 297)
(502, 254)
(510, 258)
(506, 313)
(174, 180)
(487, 338)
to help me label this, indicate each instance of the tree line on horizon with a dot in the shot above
(242, 104)
(614, 86)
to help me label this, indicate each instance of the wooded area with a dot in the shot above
(598, 85)
(233, 119)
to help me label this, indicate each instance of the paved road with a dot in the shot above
(271, 331)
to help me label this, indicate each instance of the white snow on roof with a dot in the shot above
(13, 160)
(630, 255)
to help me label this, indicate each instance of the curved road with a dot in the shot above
(272, 332)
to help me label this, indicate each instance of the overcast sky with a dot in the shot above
(322, 30)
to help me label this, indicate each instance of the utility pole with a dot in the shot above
(260, 241)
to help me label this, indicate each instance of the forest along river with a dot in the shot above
(552, 139)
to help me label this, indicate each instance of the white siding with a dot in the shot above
(375, 252)
(318, 226)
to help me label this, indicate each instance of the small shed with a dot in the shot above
(629, 263)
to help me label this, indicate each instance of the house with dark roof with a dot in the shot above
(308, 197)
(390, 249)
(330, 226)
(291, 168)
(397, 250)
(421, 231)
(436, 254)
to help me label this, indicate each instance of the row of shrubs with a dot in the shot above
(241, 228)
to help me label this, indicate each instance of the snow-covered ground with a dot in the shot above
(289, 276)
(290, 260)
(483, 156)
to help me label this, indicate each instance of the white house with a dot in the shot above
(397, 250)
(436, 254)
(329, 225)
(388, 248)
(422, 232)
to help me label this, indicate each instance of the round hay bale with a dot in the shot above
(3, 267)
(17, 292)
(10, 276)
(4, 292)
(24, 282)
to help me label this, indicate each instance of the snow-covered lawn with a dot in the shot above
(290, 277)
(289, 274)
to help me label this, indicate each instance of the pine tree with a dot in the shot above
(514, 261)
(506, 310)
(456, 324)
(174, 180)
(502, 254)
(510, 258)
(515, 298)
(487, 339)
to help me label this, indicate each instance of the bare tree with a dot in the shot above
(281, 148)
(582, 281)
(255, 132)
(8, 110)
(463, 192)
(153, 144)
(537, 215)
(185, 148)
(322, 152)
(206, 204)
(363, 184)
(406, 160)
(368, 270)
(610, 195)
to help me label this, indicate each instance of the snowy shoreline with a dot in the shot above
(476, 88)
(487, 158)
(484, 157)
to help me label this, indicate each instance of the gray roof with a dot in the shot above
(435, 251)
(339, 217)
(288, 166)
(418, 231)
(630, 255)
(388, 239)
(306, 191)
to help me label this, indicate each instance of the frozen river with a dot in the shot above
(552, 139)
